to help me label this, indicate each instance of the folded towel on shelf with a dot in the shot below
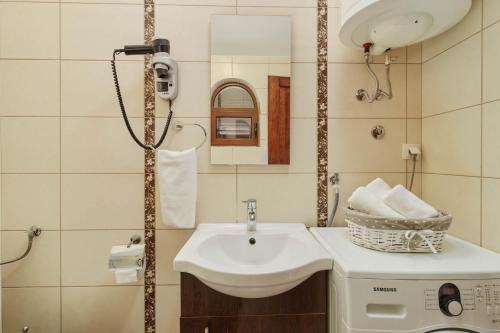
(378, 187)
(365, 201)
(408, 204)
(177, 179)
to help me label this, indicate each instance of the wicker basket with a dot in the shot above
(397, 235)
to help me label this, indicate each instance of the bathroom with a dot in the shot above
(70, 167)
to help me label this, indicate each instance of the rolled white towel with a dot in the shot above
(379, 187)
(408, 204)
(366, 202)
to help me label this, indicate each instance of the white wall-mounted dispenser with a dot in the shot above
(390, 24)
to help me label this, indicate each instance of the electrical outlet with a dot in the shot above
(413, 147)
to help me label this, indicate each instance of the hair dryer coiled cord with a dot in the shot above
(124, 113)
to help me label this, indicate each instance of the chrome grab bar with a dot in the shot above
(33, 231)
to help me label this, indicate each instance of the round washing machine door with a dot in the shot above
(452, 330)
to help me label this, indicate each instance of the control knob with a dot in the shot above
(452, 308)
(449, 300)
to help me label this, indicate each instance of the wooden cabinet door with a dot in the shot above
(278, 120)
(312, 323)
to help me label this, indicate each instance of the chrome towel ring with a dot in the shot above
(179, 125)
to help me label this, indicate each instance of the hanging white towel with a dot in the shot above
(379, 187)
(367, 202)
(178, 187)
(408, 204)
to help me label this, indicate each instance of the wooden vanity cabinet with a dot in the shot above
(300, 310)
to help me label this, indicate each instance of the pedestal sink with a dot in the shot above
(266, 262)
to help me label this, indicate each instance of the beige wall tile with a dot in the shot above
(414, 53)
(459, 196)
(350, 182)
(100, 145)
(193, 99)
(251, 155)
(450, 81)
(280, 69)
(216, 200)
(112, 201)
(168, 309)
(84, 256)
(345, 79)
(38, 79)
(334, 3)
(491, 12)
(38, 192)
(192, 136)
(87, 88)
(262, 96)
(452, 142)
(104, 33)
(303, 91)
(280, 198)
(124, 309)
(351, 147)
(254, 74)
(302, 157)
(337, 51)
(221, 155)
(39, 308)
(220, 71)
(491, 140)
(278, 3)
(465, 28)
(303, 27)
(189, 36)
(168, 244)
(30, 145)
(491, 68)
(491, 223)
(417, 183)
(414, 135)
(40, 268)
(398, 56)
(37, 23)
(414, 91)
(198, 2)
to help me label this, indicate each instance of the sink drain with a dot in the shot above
(252, 241)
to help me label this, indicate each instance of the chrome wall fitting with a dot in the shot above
(135, 239)
(378, 132)
(33, 231)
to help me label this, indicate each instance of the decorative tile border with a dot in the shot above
(149, 177)
(322, 115)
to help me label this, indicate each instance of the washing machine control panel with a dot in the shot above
(473, 299)
(413, 304)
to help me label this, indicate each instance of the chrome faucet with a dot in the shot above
(251, 214)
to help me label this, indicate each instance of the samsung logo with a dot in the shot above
(385, 290)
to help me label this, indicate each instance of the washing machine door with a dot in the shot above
(452, 330)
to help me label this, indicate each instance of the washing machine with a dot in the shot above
(457, 290)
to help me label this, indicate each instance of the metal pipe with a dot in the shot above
(33, 232)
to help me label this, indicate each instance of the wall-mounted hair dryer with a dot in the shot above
(165, 68)
(165, 71)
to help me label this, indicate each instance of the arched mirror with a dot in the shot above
(235, 115)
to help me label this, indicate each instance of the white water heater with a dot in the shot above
(385, 24)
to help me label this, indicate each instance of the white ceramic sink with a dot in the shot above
(222, 257)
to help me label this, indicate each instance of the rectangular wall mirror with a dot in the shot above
(250, 89)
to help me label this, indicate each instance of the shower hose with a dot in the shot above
(124, 113)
